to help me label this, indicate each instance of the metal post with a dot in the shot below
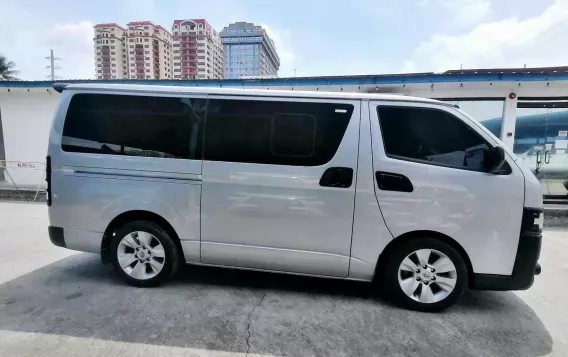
(52, 60)
(509, 121)
(39, 184)
(52, 65)
(11, 179)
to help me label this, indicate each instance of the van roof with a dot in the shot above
(238, 92)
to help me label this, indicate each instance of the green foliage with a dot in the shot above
(7, 71)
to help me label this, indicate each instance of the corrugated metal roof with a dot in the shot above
(563, 69)
(470, 75)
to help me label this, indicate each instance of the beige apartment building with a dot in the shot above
(197, 50)
(110, 52)
(149, 49)
(144, 50)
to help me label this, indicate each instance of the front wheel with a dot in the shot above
(426, 274)
(143, 253)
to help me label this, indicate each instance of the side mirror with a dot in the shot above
(494, 159)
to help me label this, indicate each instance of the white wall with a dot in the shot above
(26, 121)
(27, 113)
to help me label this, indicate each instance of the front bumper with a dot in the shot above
(526, 262)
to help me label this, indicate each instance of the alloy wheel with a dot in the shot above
(141, 255)
(427, 276)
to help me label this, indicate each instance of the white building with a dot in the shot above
(110, 52)
(149, 51)
(197, 50)
(526, 108)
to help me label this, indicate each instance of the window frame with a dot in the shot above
(505, 170)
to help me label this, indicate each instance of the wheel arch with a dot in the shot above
(398, 241)
(135, 215)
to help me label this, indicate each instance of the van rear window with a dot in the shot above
(164, 127)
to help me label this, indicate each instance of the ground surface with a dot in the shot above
(54, 302)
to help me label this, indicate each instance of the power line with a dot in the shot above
(52, 65)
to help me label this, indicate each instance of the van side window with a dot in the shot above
(109, 124)
(276, 133)
(431, 136)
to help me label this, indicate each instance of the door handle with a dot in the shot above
(547, 155)
(538, 162)
(538, 158)
(389, 181)
(340, 177)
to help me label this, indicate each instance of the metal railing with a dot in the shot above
(6, 166)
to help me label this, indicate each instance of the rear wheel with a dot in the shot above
(426, 274)
(143, 253)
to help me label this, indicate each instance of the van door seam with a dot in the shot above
(355, 190)
(373, 165)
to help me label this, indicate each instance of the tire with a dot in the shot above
(143, 253)
(427, 289)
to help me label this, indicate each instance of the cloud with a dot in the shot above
(471, 11)
(461, 13)
(283, 41)
(68, 29)
(507, 43)
(28, 45)
(73, 42)
(343, 66)
(409, 67)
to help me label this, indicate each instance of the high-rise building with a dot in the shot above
(248, 51)
(149, 51)
(110, 52)
(197, 50)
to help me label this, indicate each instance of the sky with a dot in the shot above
(313, 37)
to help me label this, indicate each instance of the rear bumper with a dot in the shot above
(81, 240)
(56, 236)
(526, 261)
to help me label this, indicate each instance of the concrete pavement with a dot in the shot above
(54, 302)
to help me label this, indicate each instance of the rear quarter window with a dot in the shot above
(162, 127)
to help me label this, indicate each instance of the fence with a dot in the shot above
(16, 168)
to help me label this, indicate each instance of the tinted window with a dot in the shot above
(293, 135)
(432, 136)
(134, 125)
(279, 133)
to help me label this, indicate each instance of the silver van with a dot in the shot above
(410, 193)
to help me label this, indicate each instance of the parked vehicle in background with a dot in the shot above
(541, 140)
(410, 192)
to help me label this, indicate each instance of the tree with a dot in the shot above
(7, 71)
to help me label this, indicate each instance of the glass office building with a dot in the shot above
(249, 52)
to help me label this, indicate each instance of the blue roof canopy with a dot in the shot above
(486, 75)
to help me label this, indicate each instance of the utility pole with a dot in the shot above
(52, 65)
